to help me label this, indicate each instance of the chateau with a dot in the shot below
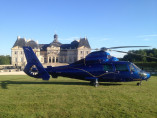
(52, 53)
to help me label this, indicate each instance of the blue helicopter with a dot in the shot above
(98, 66)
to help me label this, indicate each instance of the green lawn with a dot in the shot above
(23, 96)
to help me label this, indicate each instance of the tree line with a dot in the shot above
(5, 60)
(144, 52)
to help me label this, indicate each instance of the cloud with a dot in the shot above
(150, 35)
(147, 39)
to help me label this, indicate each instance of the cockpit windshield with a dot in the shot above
(137, 68)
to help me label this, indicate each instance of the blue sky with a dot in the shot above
(106, 23)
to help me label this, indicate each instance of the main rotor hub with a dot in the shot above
(104, 49)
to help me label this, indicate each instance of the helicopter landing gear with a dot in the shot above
(94, 83)
(139, 83)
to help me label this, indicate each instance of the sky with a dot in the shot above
(106, 23)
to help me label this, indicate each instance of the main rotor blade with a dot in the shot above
(96, 49)
(126, 47)
(135, 54)
(105, 49)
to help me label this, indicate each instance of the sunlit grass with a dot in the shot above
(22, 96)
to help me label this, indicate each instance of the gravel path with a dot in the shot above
(12, 73)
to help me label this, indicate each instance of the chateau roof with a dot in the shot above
(43, 47)
(76, 44)
(32, 44)
(73, 45)
(55, 43)
(84, 42)
(20, 42)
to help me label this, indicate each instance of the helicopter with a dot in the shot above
(98, 66)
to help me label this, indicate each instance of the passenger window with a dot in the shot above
(108, 67)
(121, 67)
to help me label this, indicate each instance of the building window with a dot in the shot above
(50, 60)
(69, 59)
(87, 52)
(15, 59)
(64, 59)
(53, 59)
(45, 61)
(56, 59)
(21, 59)
(61, 59)
(81, 52)
(21, 52)
(72, 59)
(15, 52)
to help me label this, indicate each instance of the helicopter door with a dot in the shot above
(109, 72)
(122, 72)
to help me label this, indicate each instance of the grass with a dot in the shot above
(26, 97)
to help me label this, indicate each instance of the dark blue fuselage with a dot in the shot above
(118, 71)
(97, 66)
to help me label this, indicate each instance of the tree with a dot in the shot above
(137, 58)
(4, 60)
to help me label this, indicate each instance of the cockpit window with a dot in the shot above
(132, 69)
(121, 67)
(108, 67)
(137, 68)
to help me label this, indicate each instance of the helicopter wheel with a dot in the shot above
(139, 83)
(96, 84)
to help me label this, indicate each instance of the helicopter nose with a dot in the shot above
(148, 76)
(145, 75)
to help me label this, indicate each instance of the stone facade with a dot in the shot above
(52, 53)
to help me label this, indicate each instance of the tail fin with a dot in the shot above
(34, 68)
